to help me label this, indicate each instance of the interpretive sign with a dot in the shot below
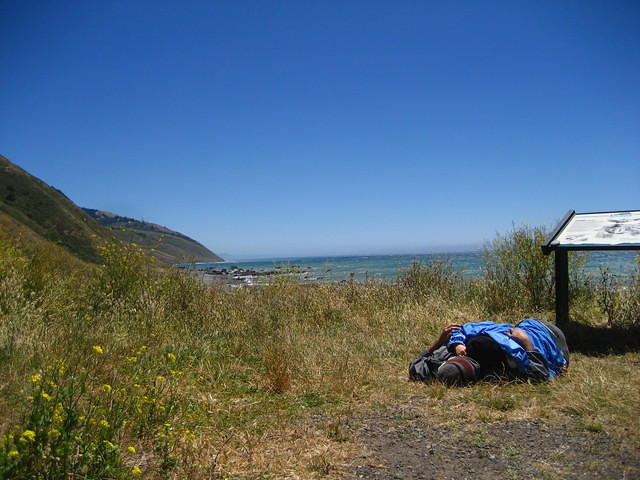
(588, 231)
(601, 229)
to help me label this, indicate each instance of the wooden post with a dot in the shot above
(562, 285)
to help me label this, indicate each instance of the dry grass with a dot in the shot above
(219, 383)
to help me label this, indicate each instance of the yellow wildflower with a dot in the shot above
(13, 453)
(160, 379)
(31, 398)
(36, 378)
(98, 349)
(57, 413)
(136, 471)
(107, 388)
(171, 357)
(143, 348)
(29, 435)
(53, 434)
(109, 445)
(46, 396)
(132, 359)
(131, 449)
(104, 423)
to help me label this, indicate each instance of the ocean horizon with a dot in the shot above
(387, 267)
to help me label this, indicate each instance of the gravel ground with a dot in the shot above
(401, 444)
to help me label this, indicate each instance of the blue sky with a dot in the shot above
(313, 128)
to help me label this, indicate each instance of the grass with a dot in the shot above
(164, 244)
(46, 211)
(124, 370)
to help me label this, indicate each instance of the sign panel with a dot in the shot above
(600, 229)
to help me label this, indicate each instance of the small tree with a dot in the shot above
(516, 273)
(518, 276)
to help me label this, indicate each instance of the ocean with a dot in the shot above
(387, 267)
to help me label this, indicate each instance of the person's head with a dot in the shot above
(459, 371)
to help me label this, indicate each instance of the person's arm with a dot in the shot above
(536, 365)
(444, 336)
(521, 337)
(423, 368)
(456, 341)
(459, 337)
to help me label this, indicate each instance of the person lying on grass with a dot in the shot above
(531, 350)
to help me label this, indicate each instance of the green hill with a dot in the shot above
(28, 202)
(48, 212)
(165, 244)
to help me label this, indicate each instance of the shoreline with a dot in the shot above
(237, 277)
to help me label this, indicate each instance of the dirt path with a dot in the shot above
(402, 444)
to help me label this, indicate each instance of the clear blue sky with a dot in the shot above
(278, 128)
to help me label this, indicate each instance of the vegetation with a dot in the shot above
(31, 204)
(47, 211)
(164, 244)
(125, 370)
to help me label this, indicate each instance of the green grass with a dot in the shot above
(164, 244)
(148, 373)
(47, 212)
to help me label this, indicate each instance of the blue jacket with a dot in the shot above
(541, 338)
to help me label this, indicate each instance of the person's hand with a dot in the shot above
(444, 336)
(461, 350)
(521, 337)
(446, 332)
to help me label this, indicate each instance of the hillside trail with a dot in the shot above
(400, 442)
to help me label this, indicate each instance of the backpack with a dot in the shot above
(425, 366)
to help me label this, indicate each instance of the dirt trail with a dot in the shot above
(402, 444)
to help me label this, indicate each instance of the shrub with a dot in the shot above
(516, 273)
(123, 270)
(619, 298)
(438, 278)
(518, 276)
(63, 433)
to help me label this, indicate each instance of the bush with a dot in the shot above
(516, 273)
(62, 432)
(619, 298)
(518, 276)
(437, 278)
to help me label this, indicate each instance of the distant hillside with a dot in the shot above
(165, 244)
(48, 212)
(29, 204)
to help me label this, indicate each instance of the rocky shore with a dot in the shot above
(234, 276)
